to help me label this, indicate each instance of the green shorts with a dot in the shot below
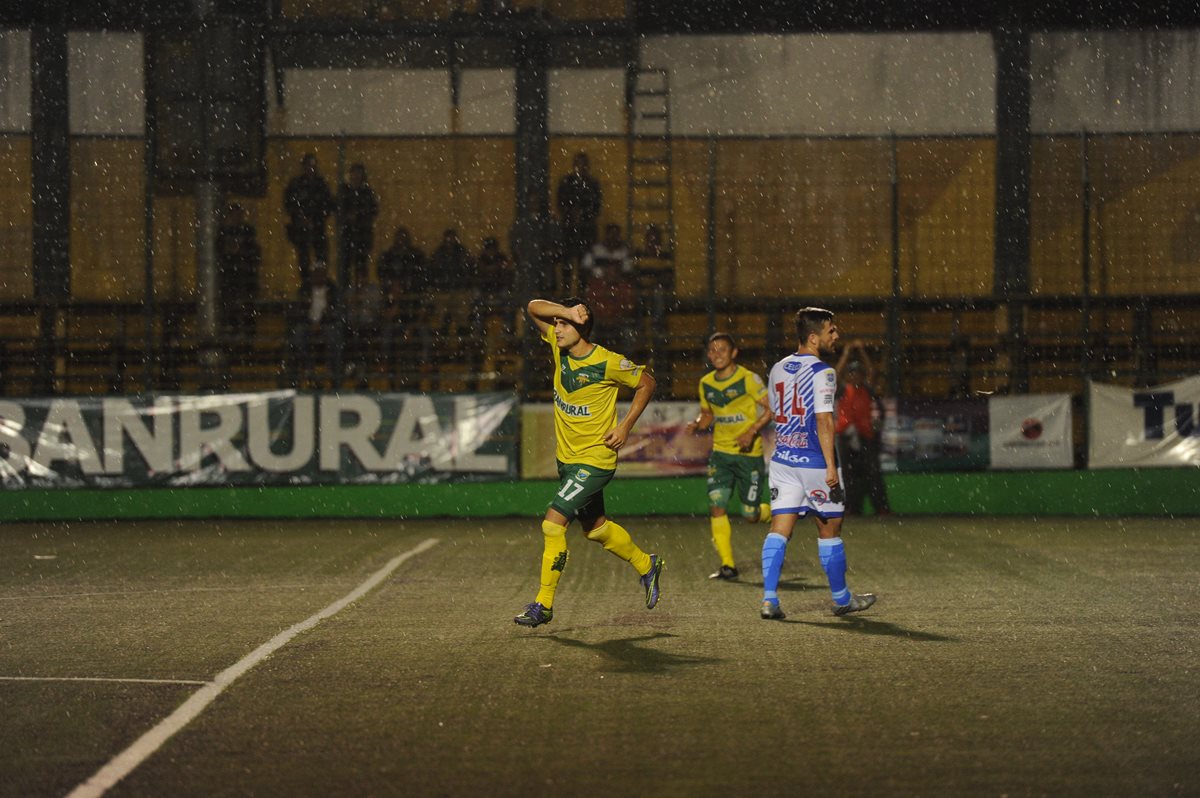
(581, 490)
(745, 473)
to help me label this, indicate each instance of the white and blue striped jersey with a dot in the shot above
(800, 387)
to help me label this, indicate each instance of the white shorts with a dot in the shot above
(803, 491)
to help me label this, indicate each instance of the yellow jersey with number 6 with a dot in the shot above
(735, 404)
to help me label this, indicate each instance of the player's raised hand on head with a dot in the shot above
(577, 314)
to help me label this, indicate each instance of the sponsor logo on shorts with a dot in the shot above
(818, 497)
(774, 494)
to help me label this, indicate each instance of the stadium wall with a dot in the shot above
(1143, 492)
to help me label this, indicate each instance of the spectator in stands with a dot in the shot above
(322, 322)
(858, 426)
(403, 264)
(451, 265)
(536, 242)
(579, 203)
(238, 261)
(308, 202)
(453, 276)
(363, 301)
(496, 278)
(357, 207)
(611, 291)
(655, 261)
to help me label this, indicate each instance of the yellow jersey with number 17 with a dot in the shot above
(734, 403)
(585, 402)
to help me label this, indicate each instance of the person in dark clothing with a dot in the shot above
(579, 203)
(322, 320)
(308, 202)
(859, 422)
(238, 261)
(403, 264)
(357, 207)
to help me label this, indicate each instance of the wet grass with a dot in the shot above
(1005, 657)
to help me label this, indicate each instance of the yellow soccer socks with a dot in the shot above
(722, 535)
(616, 540)
(554, 559)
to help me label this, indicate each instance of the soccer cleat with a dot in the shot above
(725, 572)
(535, 615)
(650, 580)
(856, 604)
(771, 611)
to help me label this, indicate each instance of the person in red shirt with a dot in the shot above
(859, 419)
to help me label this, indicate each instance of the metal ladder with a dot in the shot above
(651, 193)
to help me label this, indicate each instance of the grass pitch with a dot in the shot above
(1005, 657)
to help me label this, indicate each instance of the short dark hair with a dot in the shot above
(810, 321)
(723, 336)
(585, 329)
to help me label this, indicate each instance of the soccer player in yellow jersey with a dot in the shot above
(587, 378)
(733, 404)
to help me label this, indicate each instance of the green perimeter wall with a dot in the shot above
(1061, 493)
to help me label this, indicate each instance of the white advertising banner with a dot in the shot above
(1031, 431)
(1144, 427)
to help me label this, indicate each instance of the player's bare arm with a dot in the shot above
(543, 313)
(701, 423)
(616, 437)
(745, 441)
(825, 426)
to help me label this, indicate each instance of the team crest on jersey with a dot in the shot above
(582, 476)
(582, 379)
(626, 365)
(830, 377)
(732, 393)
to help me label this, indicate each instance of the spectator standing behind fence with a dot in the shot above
(321, 322)
(579, 203)
(357, 207)
(536, 243)
(308, 202)
(655, 261)
(403, 264)
(496, 276)
(611, 292)
(859, 422)
(238, 261)
(363, 301)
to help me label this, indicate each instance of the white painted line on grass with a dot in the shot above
(123, 763)
(97, 679)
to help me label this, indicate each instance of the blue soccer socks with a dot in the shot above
(773, 551)
(833, 559)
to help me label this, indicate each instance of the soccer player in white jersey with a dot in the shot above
(804, 475)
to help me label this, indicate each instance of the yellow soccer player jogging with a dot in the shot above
(587, 378)
(733, 404)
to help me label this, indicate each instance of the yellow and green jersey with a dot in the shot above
(585, 402)
(734, 403)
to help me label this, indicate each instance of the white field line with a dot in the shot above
(163, 591)
(123, 763)
(97, 679)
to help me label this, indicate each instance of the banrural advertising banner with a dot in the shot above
(1031, 431)
(1153, 427)
(658, 447)
(934, 435)
(276, 438)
